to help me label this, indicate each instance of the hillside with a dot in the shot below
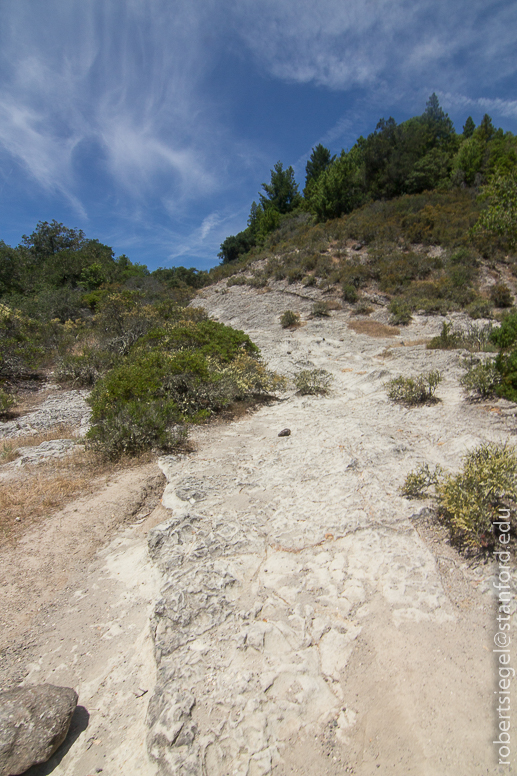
(309, 619)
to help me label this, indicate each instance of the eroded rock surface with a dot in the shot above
(60, 408)
(304, 626)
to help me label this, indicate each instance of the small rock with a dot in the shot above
(34, 722)
(285, 432)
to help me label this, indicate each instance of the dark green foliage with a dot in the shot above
(281, 193)
(235, 246)
(318, 162)
(7, 401)
(469, 127)
(349, 292)
(135, 426)
(21, 350)
(209, 338)
(500, 218)
(179, 277)
(501, 295)
(480, 308)
(505, 338)
(339, 189)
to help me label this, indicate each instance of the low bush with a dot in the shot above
(481, 379)
(418, 390)
(480, 308)
(350, 293)
(237, 280)
(85, 369)
(400, 312)
(501, 295)
(134, 426)
(419, 480)
(6, 401)
(288, 319)
(448, 339)
(310, 382)
(148, 400)
(469, 502)
(320, 310)
(362, 308)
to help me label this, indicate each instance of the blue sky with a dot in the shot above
(151, 124)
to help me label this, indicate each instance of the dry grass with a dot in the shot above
(9, 447)
(373, 328)
(42, 489)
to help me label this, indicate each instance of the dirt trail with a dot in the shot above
(306, 619)
(306, 625)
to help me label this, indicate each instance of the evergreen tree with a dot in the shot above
(468, 128)
(282, 192)
(319, 160)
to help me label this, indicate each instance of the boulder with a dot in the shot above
(34, 722)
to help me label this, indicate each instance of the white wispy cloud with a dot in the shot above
(344, 45)
(491, 105)
(123, 77)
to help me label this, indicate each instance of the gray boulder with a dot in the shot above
(34, 721)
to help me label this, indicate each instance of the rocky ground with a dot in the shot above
(305, 618)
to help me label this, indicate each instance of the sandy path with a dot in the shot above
(76, 592)
(305, 626)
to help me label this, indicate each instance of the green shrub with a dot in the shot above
(400, 312)
(362, 308)
(84, 370)
(310, 382)
(480, 308)
(295, 274)
(257, 281)
(237, 280)
(448, 339)
(209, 338)
(21, 350)
(320, 310)
(350, 293)
(505, 338)
(6, 401)
(418, 390)
(501, 295)
(135, 426)
(148, 399)
(469, 501)
(289, 319)
(419, 480)
(481, 379)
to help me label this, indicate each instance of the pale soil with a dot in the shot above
(331, 630)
